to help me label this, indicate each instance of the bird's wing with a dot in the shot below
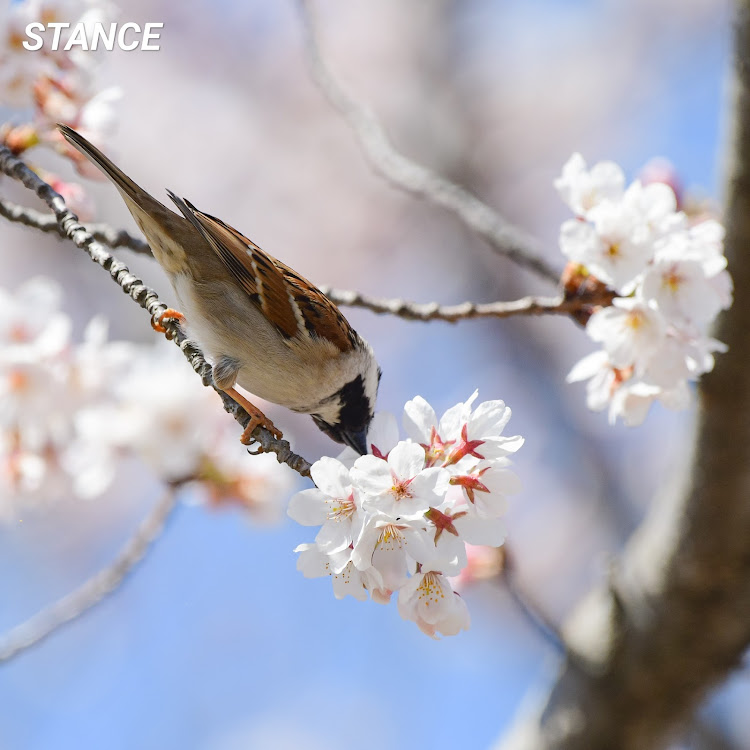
(295, 306)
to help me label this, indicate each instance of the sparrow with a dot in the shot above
(262, 325)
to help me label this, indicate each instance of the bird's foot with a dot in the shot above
(157, 323)
(257, 418)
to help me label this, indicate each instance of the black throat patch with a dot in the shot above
(355, 407)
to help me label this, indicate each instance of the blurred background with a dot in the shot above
(217, 642)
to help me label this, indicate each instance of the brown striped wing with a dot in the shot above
(288, 300)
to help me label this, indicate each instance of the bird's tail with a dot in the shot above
(124, 184)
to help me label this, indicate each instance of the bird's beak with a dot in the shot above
(356, 440)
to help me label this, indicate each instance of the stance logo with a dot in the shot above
(127, 36)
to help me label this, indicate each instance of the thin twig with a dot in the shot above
(424, 311)
(77, 602)
(466, 310)
(146, 297)
(47, 223)
(504, 238)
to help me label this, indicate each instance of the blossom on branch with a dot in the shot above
(671, 279)
(399, 519)
(53, 85)
(70, 413)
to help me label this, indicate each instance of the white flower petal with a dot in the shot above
(580, 242)
(455, 418)
(334, 536)
(588, 366)
(308, 507)
(406, 460)
(349, 583)
(383, 432)
(312, 563)
(372, 475)
(419, 419)
(488, 532)
(489, 419)
(331, 477)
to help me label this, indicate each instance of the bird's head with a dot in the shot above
(345, 415)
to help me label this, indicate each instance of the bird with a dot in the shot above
(262, 325)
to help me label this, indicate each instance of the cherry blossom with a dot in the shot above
(330, 505)
(152, 419)
(399, 519)
(602, 376)
(583, 189)
(399, 485)
(688, 280)
(671, 279)
(614, 248)
(48, 86)
(348, 580)
(391, 545)
(71, 412)
(633, 399)
(485, 487)
(428, 599)
(18, 69)
(461, 431)
(655, 206)
(631, 331)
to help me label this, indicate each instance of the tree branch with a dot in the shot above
(676, 618)
(47, 223)
(504, 238)
(147, 298)
(424, 311)
(97, 588)
(466, 310)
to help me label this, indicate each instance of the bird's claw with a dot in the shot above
(157, 323)
(258, 419)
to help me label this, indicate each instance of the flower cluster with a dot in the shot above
(671, 281)
(48, 86)
(399, 518)
(71, 414)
